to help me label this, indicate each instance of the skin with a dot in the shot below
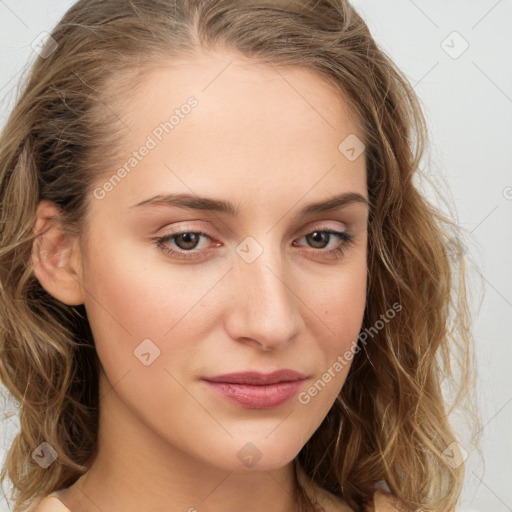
(265, 139)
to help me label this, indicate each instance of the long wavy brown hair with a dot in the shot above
(391, 419)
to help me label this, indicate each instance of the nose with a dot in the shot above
(264, 308)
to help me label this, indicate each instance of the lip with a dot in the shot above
(255, 390)
(257, 378)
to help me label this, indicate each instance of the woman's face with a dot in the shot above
(263, 288)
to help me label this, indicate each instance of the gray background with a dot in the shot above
(467, 100)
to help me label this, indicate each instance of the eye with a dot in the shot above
(186, 243)
(320, 238)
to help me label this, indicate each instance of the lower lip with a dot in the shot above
(257, 397)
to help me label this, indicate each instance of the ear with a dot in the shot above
(56, 257)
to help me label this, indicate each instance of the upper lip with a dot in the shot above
(258, 378)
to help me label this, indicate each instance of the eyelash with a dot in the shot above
(345, 237)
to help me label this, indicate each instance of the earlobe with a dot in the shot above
(56, 257)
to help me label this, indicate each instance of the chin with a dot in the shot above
(248, 456)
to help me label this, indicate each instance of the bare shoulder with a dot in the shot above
(384, 501)
(49, 504)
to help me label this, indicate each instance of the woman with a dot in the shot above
(177, 334)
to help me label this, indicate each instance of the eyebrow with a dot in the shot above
(194, 202)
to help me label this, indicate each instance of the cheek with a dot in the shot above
(342, 305)
(142, 310)
(127, 302)
(341, 302)
(131, 284)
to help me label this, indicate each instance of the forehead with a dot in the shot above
(229, 75)
(221, 122)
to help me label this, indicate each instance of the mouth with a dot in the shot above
(255, 390)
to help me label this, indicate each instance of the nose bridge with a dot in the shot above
(265, 307)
